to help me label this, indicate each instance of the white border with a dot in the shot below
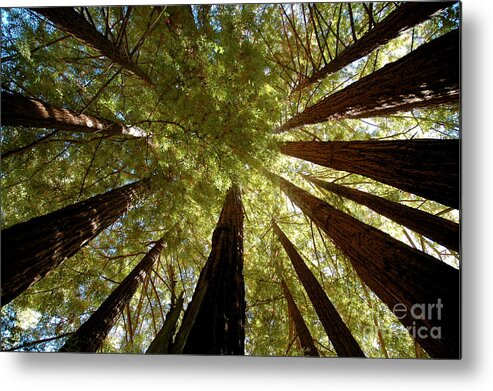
(120, 372)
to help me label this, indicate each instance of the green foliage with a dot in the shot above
(223, 76)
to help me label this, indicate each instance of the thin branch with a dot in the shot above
(88, 169)
(351, 21)
(320, 47)
(27, 147)
(319, 17)
(11, 57)
(338, 28)
(39, 341)
(158, 299)
(100, 90)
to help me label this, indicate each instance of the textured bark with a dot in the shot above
(343, 341)
(73, 23)
(163, 340)
(425, 77)
(426, 167)
(90, 336)
(18, 110)
(218, 327)
(402, 277)
(439, 230)
(304, 335)
(32, 249)
(404, 17)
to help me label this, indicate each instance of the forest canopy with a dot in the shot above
(196, 100)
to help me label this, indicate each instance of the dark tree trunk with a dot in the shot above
(90, 336)
(425, 77)
(190, 315)
(422, 291)
(219, 297)
(30, 250)
(440, 230)
(18, 110)
(163, 340)
(73, 23)
(343, 341)
(407, 15)
(426, 167)
(304, 335)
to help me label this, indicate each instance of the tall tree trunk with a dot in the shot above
(163, 340)
(32, 249)
(405, 16)
(304, 335)
(425, 77)
(219, 297)
(426, 167)
(343, 341)
(73, 23)
(18, 110)
(422, 291)
(90, 336)
(440, 230)
(190, 315)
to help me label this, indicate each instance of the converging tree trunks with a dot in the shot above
(427, 76)
(440, 230)
(147, 172)
(404, 17)
(426, 167)
(341, 338)
(422, 291)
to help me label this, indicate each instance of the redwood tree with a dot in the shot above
(304, 335)
(426, 167)
(217, 308)
(164, 339)
(425, 77)
(422, 291)
(75, 24)
(90, 336)
(440, 230)
(343, 341)
(19, 110)
(32, 249)
(405, 16)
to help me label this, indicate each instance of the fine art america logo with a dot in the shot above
(431, 312)
(419, 312)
